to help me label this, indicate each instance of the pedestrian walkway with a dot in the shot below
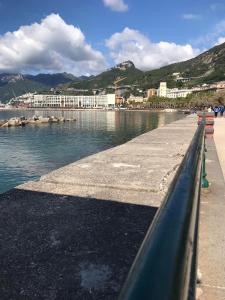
(212, 219)
(219, 138)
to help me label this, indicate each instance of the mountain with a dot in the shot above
(52, 80)
(208, 67)
(18, 84)
(125, 69)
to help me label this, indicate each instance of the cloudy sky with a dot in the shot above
(85, 37)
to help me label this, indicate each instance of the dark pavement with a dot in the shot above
(66, 247)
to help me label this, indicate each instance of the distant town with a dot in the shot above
(76, 98)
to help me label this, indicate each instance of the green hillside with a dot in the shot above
(19, 88)
(208, 67)
(107, 78)
(18, 84)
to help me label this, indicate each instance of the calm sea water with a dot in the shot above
(28, 152)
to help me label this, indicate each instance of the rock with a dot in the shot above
(2, 122)
(54, 119)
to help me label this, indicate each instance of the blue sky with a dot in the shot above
(87, 36)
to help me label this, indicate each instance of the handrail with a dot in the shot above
(165, 266)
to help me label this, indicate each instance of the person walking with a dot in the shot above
(221, 110)
(216, 110)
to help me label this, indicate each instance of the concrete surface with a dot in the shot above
(219, 138)
(75, 233)
(137, 172)
(212, 227)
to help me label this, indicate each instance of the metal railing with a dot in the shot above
(165, 266)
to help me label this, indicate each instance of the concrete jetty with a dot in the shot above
(75, 233)
(137, 172)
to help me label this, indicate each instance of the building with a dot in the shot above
(136, 99)
(162, 90)
(64, 101)
(151, 93)
(176, 74)
(183, 79)
(220, 85)
(178, 93)
(119, 100)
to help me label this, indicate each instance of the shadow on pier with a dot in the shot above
(66, 247)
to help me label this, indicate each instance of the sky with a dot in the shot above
(85, 37)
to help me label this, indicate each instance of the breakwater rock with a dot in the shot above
(35, 120)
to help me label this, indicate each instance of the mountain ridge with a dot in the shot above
(12, 85)
(207, 67)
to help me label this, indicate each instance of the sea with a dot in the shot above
(28, 152)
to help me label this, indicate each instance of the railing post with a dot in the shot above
(205, 183)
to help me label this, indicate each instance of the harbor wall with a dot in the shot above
(74, 233)
(137, 172)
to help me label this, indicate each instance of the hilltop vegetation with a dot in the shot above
(106, 79)
(208, 67)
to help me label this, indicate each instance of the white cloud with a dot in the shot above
(116, 5)
(220, 40)
(132, 45)
(52, 46)
(191, 17)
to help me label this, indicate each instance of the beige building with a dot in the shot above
(162, 91)
(137, 99)
(151, 93)
(220, 85)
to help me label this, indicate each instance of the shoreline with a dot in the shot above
(93, 109)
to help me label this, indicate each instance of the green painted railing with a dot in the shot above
(165, 266)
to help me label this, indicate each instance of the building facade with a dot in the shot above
(137, 99)
(151, 93)
(64, 101)
(162, 91)
(178, 93)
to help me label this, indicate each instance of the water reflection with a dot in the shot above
(28, 152)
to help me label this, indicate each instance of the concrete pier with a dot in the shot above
(136, 172)
(75, 233)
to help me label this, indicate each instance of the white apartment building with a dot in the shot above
(162, 91)
(64, 101)
(176, 93)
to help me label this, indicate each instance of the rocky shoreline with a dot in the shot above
(36, 120)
